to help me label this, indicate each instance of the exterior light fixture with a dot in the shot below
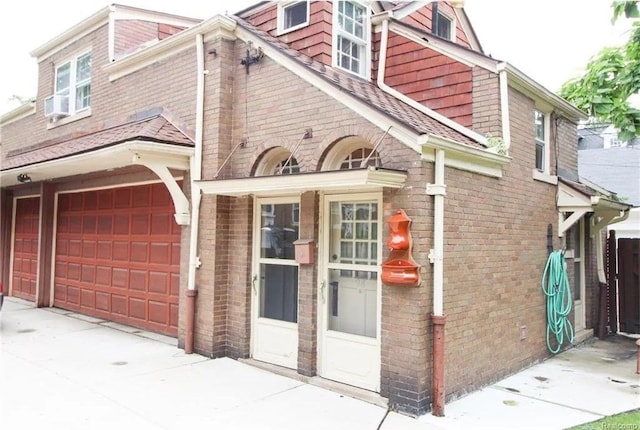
(24, 178)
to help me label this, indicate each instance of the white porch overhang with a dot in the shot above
(158, 157)
(365, 179)
(574, 204)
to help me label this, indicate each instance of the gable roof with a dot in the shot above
(366, 92)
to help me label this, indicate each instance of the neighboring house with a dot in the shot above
(230, 182)
(593, 136)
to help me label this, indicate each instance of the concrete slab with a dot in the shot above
(58, 371)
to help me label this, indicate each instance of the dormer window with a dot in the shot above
(292, 15)
(351, 37)
(443, 25)
(73, 83)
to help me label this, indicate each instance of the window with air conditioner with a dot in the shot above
(72, 92)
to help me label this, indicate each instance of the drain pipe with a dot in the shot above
(196, 197)
(436, 257)
(503, 82)
(438, 191)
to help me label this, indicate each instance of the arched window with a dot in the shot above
(354, 160)
(287, 168)
(277, 160)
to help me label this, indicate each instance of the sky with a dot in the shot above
(549, 40)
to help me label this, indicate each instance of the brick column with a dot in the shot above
(46, 243)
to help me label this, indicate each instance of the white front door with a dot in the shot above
(349, 296)
(274, 336)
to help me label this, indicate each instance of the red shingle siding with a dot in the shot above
(435, 80)
(314, 40)
(422, 19)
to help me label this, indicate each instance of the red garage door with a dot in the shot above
(118, 256)
(25, 248)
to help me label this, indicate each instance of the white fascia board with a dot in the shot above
(399, 131)
(73, 34)
(536, 91)
(111, 157)
(218, 26)
(465, 56)
(129, 13)
(18, 113)
(410, 8)
(338, 180)
(462, 157)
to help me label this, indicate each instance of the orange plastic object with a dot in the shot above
(400, 269)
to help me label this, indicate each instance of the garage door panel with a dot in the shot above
(88, 249)
(73, 295)
(103, 250)
(137, 308)
(120, 251)
(158, 282)
(160, 253)
(75, 224)
(88, 298)
(25, 248)
(73, 271)
(138, 280)
(129, 257)
(103, 275)
(159, 312)
(102, 301)
(60, 292)
(88, 273)
(140, 252)
(75, 248)
(119, 277)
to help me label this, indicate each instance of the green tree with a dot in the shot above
(611, 77)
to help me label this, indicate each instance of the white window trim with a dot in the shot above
(282, 5)
(544, 175)
(452, 29)
(73, 66)
(367, 46)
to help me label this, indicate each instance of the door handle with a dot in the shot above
(323, 285)
(253, 284)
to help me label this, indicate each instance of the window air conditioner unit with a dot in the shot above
(56, 105)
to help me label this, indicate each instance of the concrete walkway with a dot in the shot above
(60, 370)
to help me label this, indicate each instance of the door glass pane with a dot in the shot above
(279, 292)
(354, 235)
(279, 230)
(352, 301)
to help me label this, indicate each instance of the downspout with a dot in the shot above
(382, 64)
(196, 197)
(504, 104)
(436, 257)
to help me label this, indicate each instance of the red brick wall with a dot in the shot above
(130, 34)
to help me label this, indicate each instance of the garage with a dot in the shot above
(25, 248)
(117, 256)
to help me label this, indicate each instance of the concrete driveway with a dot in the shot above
(60, 370)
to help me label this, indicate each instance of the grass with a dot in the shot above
(629, 420)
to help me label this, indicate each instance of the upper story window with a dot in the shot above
(351, 37)
(73, 83)
(287, 167)
(541, 142)
(292, 15)
(444, 26)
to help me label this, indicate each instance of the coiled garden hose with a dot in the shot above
(555, 285)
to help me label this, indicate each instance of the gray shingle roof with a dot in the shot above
(367, 92)
(155, 128)
(616, 169)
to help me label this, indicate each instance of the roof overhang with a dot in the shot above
(578, 204)
(366, 179)
(133, 152)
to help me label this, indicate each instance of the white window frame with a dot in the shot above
(282, 8)
(74, 84)
(543, 174)
(452, 26)
(365, 63)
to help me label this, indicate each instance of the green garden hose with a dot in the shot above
(555, 285)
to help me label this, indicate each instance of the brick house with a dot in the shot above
(229, 182)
